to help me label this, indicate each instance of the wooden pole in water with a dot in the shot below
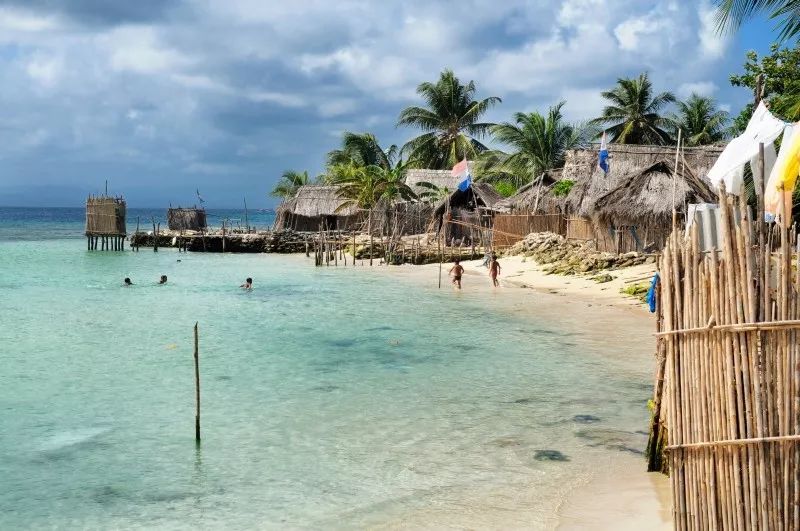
(354, 248)
(439, 243)
(223, 235)
(246, 223)
(197, 383)
(137, 234)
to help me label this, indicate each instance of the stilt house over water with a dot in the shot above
(317, 207)
(105, 223)
(186, 219)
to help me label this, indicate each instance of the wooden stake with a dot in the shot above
(197, 383)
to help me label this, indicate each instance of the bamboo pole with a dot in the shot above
(197, 383)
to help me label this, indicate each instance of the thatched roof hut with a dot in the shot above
(624, 160)
(535, 197)
(182, 219)
(439, 178)
(105, 216)
(462, 203)
(315, 206)
(646, 196)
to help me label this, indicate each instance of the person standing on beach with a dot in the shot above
(494, 270)
(457, 270)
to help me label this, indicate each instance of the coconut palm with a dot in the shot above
(732, 13)
(632, 116)
(450, 121)
(700, 121)
(289, 183)
(538, 143)
(363, 149)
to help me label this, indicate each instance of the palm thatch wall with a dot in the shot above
(624, 160)
(440, 178)
(182, 219)
(466, 206)
(535, 197)
(316, 207)
(105, 216)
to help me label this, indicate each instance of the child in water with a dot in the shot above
(248, 284)
(127, 282)
(457, 270)
(163, 279)
(494, 270)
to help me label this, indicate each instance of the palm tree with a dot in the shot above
(363, 149)
(538, 144)
(450, 122)
(700, 121)
(732, 13)
(633, 112)
(290, 182)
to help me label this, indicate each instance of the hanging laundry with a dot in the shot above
(773, 190)
(651, 294)
(763, 128)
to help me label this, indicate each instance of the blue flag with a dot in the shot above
(466, 183)
(602, 160)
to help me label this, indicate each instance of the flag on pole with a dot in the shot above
(462, 170)
(602, 160)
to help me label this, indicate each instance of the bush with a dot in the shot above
(562, 188)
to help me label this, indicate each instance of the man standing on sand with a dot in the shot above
(494, 270)
(456, 271)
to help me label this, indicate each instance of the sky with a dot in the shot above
(164, 97)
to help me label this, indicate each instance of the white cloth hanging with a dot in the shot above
(763, 128)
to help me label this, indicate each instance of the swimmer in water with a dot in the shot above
(163, 279)
(248, 284)
(127, 282)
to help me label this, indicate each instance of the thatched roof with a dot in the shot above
(624, 160)
(186, 218)
(314, 200)
(646, 196)
(525, 200)
(440, 178)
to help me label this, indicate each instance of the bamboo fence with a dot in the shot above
(728, 330)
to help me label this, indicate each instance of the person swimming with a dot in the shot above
(127, 282)
(163, 279)
(248, 284)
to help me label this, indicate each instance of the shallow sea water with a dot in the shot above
(332, 397)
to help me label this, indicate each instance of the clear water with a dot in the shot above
(332, 397)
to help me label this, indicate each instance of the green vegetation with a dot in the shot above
(562, 187)
(290, 182)
(638, 291)
(732, 13)
(632, 115)
(781, 83)
(450, 121)
(700, 121)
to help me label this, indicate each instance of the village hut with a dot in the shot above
(536, 197)
(186, 219)
(317, 207)
(640, 208)
(625, 163)
(466, 212)
(105, 223)
(441, 179)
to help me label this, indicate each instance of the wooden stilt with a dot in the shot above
(197, 383)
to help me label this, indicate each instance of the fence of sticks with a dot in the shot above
(729, 323)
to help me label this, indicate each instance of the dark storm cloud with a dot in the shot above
(100, 12)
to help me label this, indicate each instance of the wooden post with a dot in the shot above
(223, 235)
(439, 243)
(137, 234)
(155, 235)
(246, 223)
(354, 248)
(197, 383)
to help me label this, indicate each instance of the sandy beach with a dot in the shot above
(620, 494)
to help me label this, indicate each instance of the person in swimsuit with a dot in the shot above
(248, 284)
(494, 270)
(457, 270)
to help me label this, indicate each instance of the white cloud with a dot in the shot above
(701, 88)
(16, 20)
(712, 44)
(45, 70)
(138, 49)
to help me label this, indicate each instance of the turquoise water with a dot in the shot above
(332, 397)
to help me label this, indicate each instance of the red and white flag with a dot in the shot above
(461, 168)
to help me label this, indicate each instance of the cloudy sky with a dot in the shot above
(164, 96)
